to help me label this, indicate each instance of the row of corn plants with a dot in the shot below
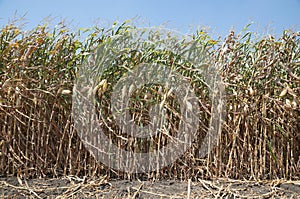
(260, 138)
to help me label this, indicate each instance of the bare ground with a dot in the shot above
(74, 187)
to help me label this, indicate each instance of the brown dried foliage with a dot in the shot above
(260, 137)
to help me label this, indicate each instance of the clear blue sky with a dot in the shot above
(269, 16)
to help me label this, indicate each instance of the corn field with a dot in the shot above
(260, 138)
